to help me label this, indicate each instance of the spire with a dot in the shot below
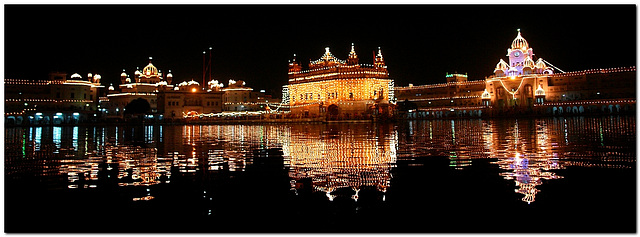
(294, 66)
(379, 61)
(353, 57)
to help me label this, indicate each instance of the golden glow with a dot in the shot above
(193, 89)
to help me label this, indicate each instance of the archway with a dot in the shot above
(333, 111)
(11, 120)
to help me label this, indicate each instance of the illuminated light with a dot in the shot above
(540, 91)
(59, 114)
(76, 114)
(485, 94)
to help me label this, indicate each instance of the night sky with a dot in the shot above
(420, 43)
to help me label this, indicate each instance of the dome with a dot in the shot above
(528, 62)
(192, 82)
(150, 70)
(76, 76)
(97, 77)
(327, 58)
(111, 87)
(169, 74)
(519, 42)
(502, 65)
(123, 74)
(541, 64)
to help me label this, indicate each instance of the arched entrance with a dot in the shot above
(332, 112)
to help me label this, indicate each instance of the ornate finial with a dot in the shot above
(150, 57)
(326, 50)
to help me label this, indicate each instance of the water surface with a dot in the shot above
(447, 176)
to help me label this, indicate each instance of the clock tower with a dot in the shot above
(520, 60)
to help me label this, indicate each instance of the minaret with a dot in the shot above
(294, 66)
(379, 61)
(123, 77)
(169, 77)
(353, 57)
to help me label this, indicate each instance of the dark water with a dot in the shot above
(558, 175)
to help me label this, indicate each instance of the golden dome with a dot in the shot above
(150, 70)
(519, 42)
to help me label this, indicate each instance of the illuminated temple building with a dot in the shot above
(54, 101)
(339, 89)
(525, 85)
(145, 85)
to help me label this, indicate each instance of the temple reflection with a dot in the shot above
(340, 156)
(335, 159)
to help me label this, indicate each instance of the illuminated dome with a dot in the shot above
(76, 76)
(123, 74)
(90, 75)
(326, 60)
(169, 74)
(111, 87)
(502, 65)
(541, 64)
(519, 42)
(528, 62)
(97, 77)
(150, 70)
(128, 80)
(192, 82)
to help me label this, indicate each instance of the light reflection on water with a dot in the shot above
(330, 156)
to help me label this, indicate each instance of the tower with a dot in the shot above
(378, 61)
(353, 57)
(521, 60)
(294, 66)
(123, 77)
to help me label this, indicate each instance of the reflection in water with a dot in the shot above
(322, 157)
(341, 156)
(526, 149)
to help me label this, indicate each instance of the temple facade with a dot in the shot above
(523, 85)
(56, 100)
(145, 84)
(340, 89)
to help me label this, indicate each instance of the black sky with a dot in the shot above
(420, 43)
